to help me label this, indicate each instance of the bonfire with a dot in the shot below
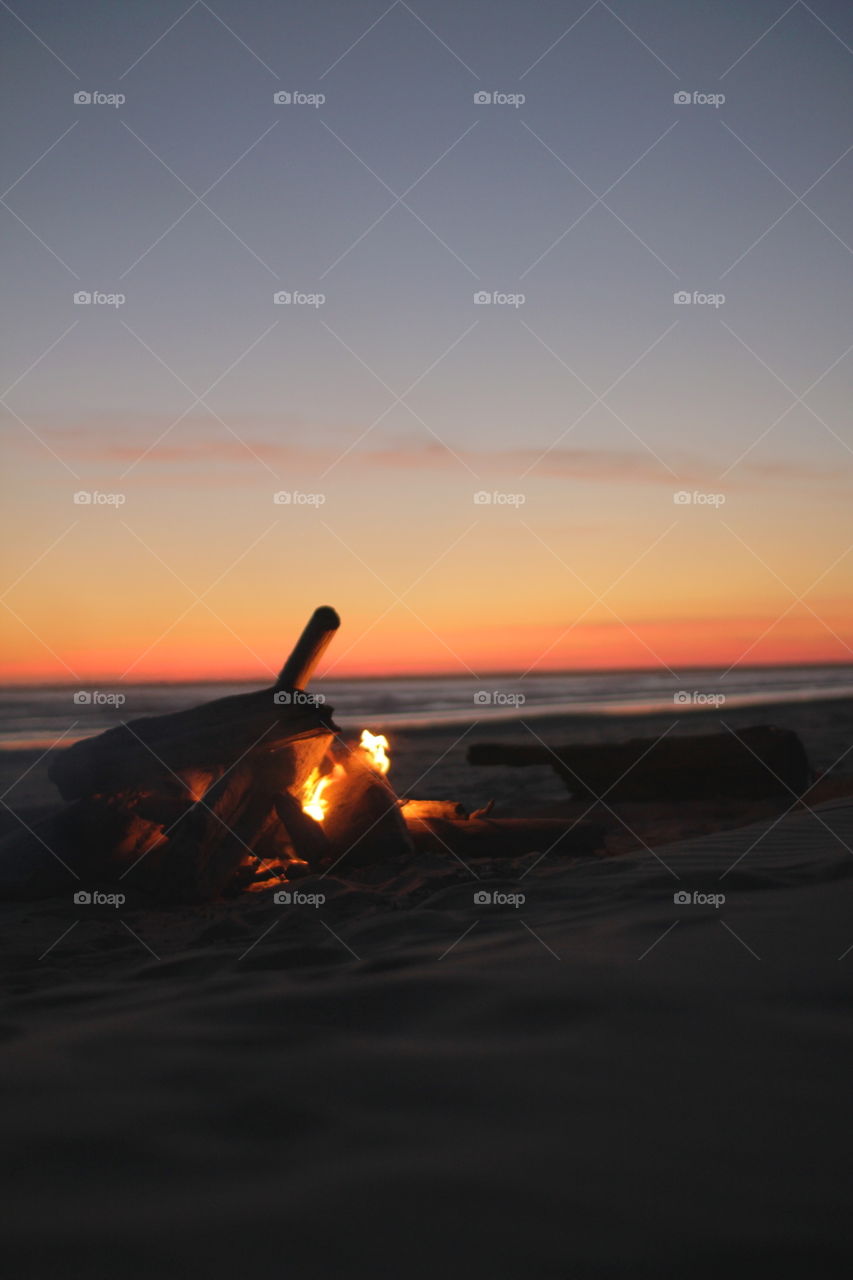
(244, 792)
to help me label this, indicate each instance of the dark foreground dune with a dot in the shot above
(402, 1081)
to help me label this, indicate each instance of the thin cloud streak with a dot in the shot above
(102, 445)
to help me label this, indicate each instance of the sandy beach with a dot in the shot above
(509, 1087)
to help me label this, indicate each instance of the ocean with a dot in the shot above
(40, 717)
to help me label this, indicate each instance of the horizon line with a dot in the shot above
(438, 675)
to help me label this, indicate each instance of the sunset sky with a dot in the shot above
(581, 412)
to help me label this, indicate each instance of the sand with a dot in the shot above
(399, 1081)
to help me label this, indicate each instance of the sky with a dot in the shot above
(581, 471)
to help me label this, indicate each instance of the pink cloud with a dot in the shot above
(308, 447)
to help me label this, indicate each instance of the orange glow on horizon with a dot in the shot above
(194, 590)
(414, 651)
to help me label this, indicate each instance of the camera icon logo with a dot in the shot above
(681, 99)
(682, 498)
(482, 898)
(682, 298)
(82, 98)
(482, 698)
(482, 298)
(82, 698)
(282, 498)
(681, 898)
(681, 698)
(281, 99)
(282, 698)
(482, 99)
(82, 898)
(82, 298)
(82, 498)
(282, 897)
(282, 298)
(481, 498)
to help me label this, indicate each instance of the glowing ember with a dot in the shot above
(376, 746)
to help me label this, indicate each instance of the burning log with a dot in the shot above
(756, 763)
(310, 842)
(363, 821)
(235, 818)
(428, 809)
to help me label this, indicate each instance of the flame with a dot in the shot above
(376, 747)
(314, 800)
(314, 803)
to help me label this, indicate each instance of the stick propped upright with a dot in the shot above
(309, 649)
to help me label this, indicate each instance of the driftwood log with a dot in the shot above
(755, 763)
(506, 837)
(186, 752)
